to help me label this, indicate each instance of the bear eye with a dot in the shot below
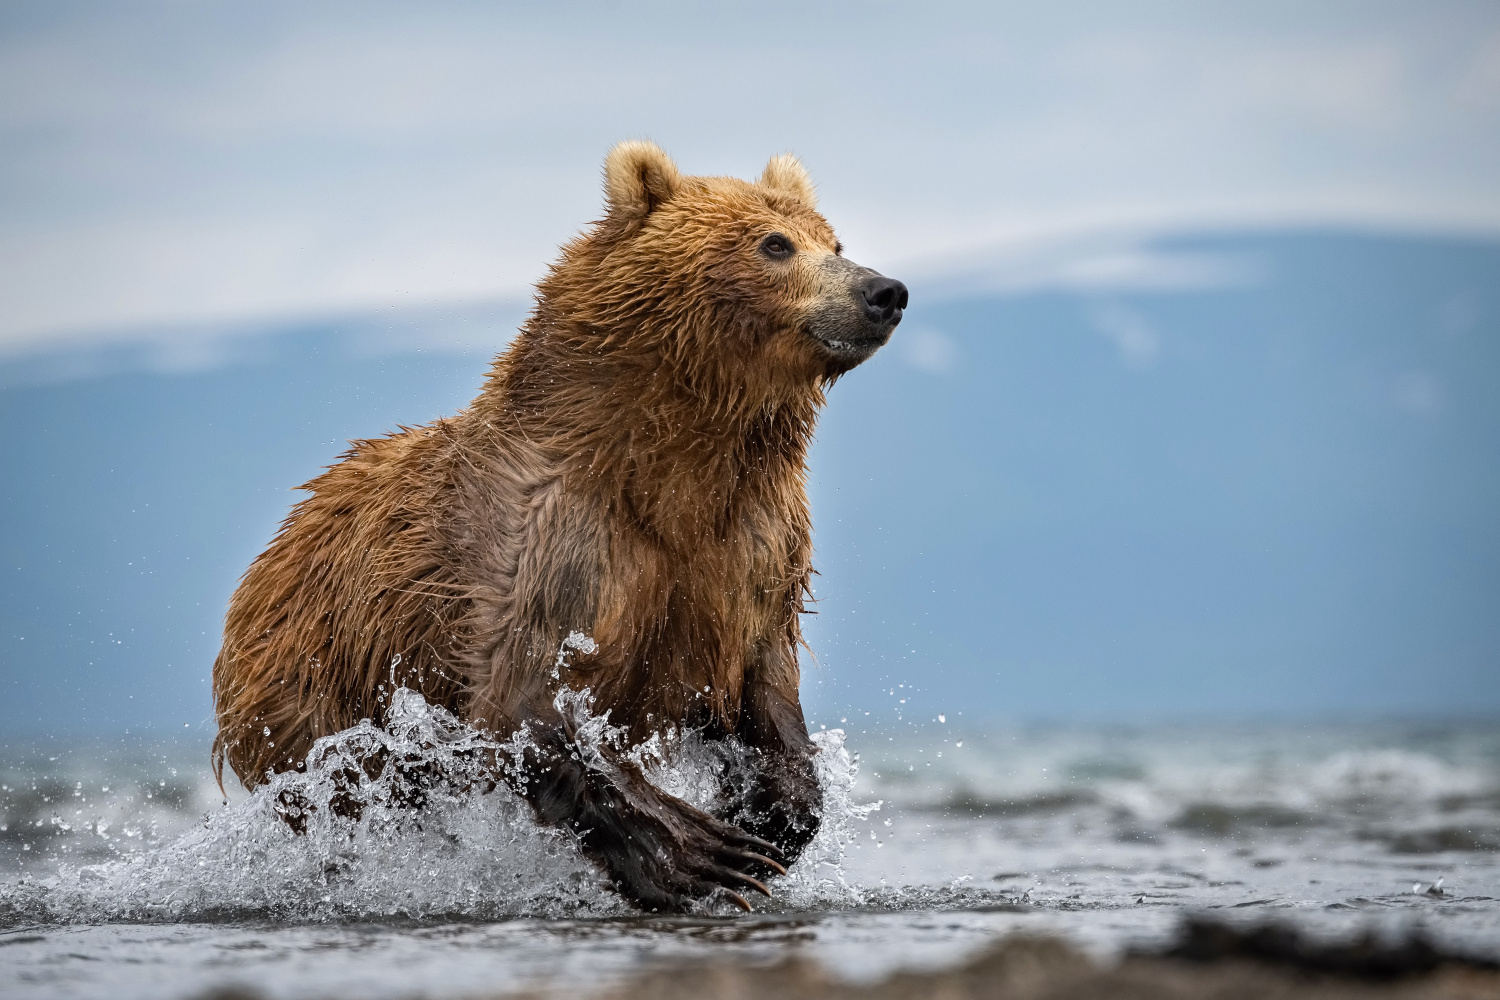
(777, 247)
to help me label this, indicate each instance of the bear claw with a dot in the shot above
(763, 860)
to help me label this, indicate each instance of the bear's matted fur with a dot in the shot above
(632, 470)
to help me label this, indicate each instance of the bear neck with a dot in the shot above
(687, 453)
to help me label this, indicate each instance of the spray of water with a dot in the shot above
(408, 821)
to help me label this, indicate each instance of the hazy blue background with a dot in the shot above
(1196, 410)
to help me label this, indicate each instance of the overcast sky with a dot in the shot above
(170, 164)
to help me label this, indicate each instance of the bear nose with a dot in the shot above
(883, 299)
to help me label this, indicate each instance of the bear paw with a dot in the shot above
(666, 855)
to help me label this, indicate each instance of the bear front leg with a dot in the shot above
(660, 852)
(778, 798)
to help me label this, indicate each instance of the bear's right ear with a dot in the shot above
(638, 177)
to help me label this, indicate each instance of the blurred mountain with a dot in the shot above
(1269, 484)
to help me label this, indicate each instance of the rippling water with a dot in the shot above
(125, 873)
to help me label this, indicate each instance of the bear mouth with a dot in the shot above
(850, 347)
(854, 349)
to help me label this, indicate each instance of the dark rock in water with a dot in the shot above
(1280, 946)
(1210, 961)
(969, 804)
(1221, 820)
(1444, 839)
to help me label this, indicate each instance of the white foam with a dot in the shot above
(473, 851)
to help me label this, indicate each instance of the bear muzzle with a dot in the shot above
(857, 312)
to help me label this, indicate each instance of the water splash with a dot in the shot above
(340, 841)
(682, 763)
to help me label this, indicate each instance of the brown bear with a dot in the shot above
(633, 470)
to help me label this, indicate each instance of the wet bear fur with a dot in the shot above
(633, 470)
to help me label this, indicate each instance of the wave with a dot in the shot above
(1409, 790)
(360, 851)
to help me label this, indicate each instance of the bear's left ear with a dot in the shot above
(638, 177)
(785, 173)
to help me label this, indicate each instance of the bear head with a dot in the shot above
(734, 285)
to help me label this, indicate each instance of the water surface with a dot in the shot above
(126, 874)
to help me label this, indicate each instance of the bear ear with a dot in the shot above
(785, 173)
(638, 177)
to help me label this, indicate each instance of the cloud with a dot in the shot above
(76, 287)
(1118, 260)
(1135, 270)
(928, 350)
(1135, 339)
(1146, 269)
(480, 329)
(167, 166)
